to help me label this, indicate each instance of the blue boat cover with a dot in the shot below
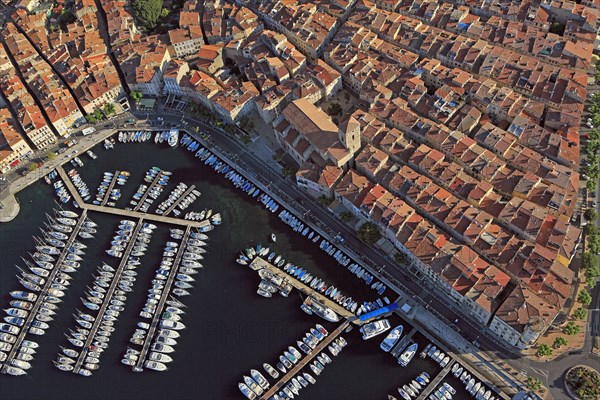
(380, 311)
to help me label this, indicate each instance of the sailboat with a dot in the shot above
(273, 237)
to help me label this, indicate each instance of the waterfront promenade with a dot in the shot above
(259, 263)
(305, 360)
(9, 206)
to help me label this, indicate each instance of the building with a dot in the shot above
(309, 135)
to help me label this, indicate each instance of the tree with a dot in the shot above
(32, 167)
(590, 214)
(584, 297)
(559, 341)
(109, 108)
(369, 233)
(571, 329)
(136, 96)
(334, 109)
(400, 257)
(544, 350)
(346, 216)
(51, 155)
(148, 12)
(164, 13)
(324, 201)
(591, 230)
(90, 118)
(534, 384)
(591, 185)
(98, 115)
(580, 313)
(594, 243)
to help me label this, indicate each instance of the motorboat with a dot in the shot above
(391, 339)
(374, 328)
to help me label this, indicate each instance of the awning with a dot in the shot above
(15, 163)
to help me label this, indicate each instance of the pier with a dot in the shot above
(163, 299)
(397, 350)
(67, 181)
(150, 217)
(127, 213)
(41, 295)
(147, 192)
(259, 263)
(179, 200)
(110, 188)
(436, 381)
(305, 360)
(107, 297)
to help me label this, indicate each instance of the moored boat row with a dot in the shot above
(46, 279)
(105, 300)
(173, 279)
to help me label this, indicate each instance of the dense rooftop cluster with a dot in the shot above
(461, 142)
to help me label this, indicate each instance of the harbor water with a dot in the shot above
(230, 329)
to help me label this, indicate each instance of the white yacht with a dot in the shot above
(374, 328)
(391, 339)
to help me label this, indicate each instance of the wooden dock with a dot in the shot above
(41, 295)
(110, 188)
(436, 381)
(147, 192)
(179, 200)
(397, 350)
(259, 263)
(161, 303)
(127, 213)
(305, 360)
(107, 297)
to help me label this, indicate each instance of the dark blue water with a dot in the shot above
(230, 329)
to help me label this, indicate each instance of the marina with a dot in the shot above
(133, 213)
(153, 186)
(304, 361)
(42, 296)
(179, 200)
(259, 263)
(244, 307)
(110, 188)
(87, 346)
(158, 314)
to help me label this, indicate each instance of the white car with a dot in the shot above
(589, 124)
